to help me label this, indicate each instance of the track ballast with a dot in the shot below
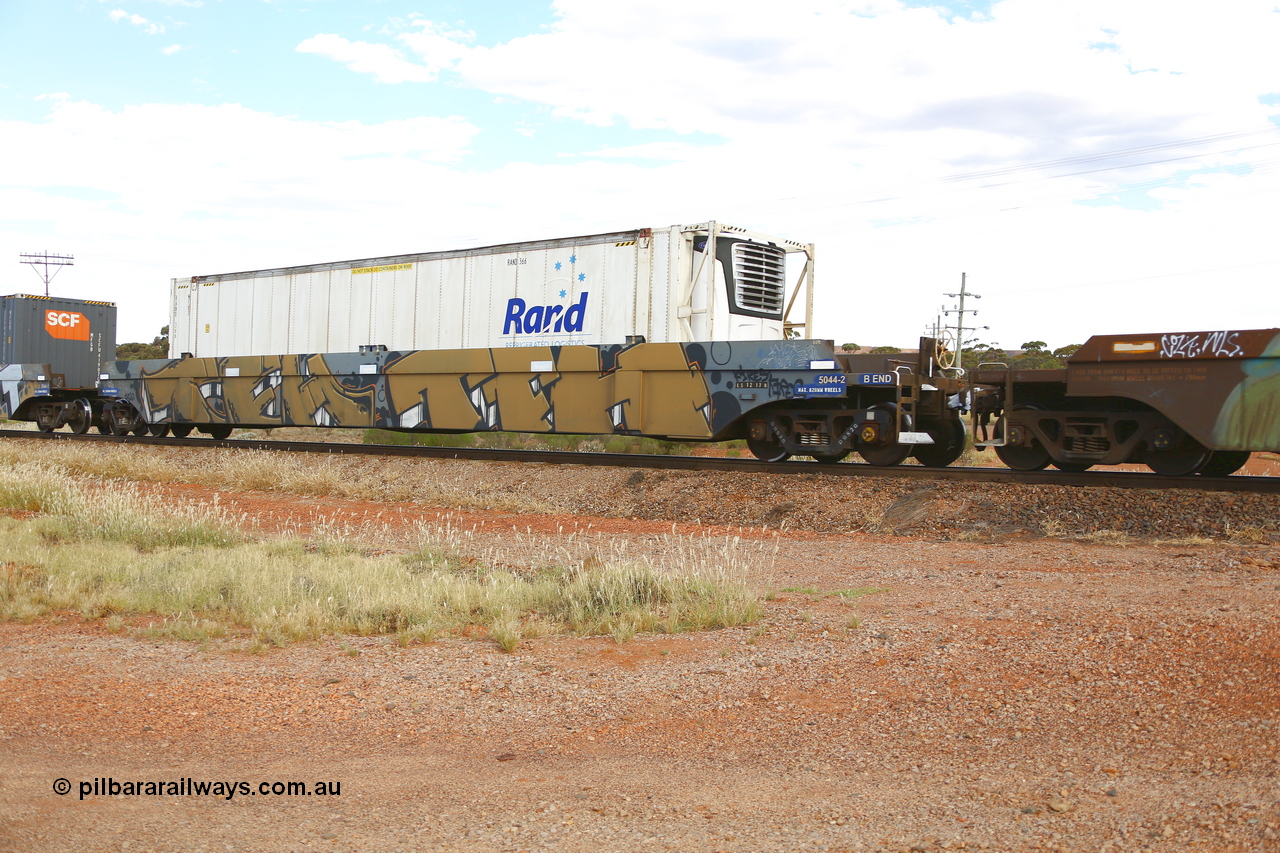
(1096, 479)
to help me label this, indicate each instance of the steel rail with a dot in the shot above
(1095, 479)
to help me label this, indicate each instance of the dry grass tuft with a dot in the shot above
(112, 553)
(301, 474)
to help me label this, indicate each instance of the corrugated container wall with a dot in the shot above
(74, 336)
(604, 288)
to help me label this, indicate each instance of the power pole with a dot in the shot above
(46, 260)
(960, 311)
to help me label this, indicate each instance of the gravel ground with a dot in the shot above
(990, 688)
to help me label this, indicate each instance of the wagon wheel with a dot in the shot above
(113, 426)
(886, 455)
(1224, 463)
(1072, 467)
(218, 431)
(140, 427)
(767, 451)
(948, 444)
(1033, 457)
(1186, 457)
(180, 430)
(158, 430)
(80, 417)
(830, 458)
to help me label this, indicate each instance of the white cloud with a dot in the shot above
(838, 122)
(149, 27)
(439, 46)
(896, 139)
(671, 151)
(382, 61)
(218, 187)
(171, 49)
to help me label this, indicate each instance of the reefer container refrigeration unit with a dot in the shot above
(74, 336)
(702, 282)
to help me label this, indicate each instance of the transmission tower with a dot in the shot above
(46, 260)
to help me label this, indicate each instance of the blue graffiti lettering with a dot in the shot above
(521, 318)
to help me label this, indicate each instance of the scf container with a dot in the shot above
(681, 283)
(74, 336)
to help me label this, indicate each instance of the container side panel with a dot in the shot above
(204, 306)
(618, 291)
(556, 301)
(224, 327)
(451, 290)
(357, 309)
(382, 319)
(487, 276)
(104, 345)
(426, 318)
(281, 317)
(396, 325)
(326, 326)
(180, 306)
(262, 325)
(8, 311)
(591, 277)
(220, 313)
(596, 289)
(304, 331)
(664, 283)
(247, 317)
(335, 324)
(72, 336)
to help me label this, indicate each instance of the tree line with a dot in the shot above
(1031, 355)
(158, 348)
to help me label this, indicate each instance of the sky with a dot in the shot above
(1089, 166)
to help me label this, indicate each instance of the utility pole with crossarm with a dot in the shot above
(46, 260)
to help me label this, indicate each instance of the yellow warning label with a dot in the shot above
(389, 268)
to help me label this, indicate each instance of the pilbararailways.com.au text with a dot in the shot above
(188, 787)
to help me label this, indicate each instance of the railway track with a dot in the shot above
(1096, 479)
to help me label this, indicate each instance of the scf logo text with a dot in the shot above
(67, 325)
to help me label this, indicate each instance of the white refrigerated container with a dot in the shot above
(703, 282)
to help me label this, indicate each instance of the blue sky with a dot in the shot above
(245, 53)
(1055, 151)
